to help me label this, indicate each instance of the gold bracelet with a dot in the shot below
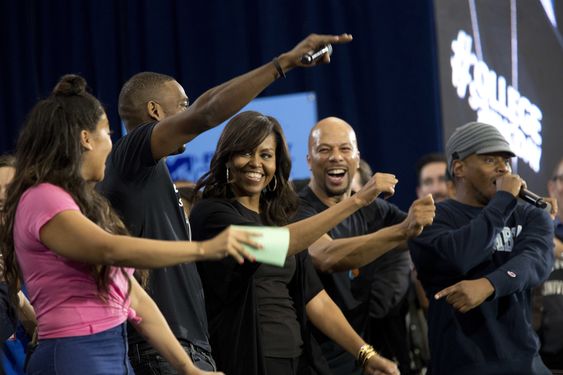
(368, 356)
(364, 354)
(363, 349)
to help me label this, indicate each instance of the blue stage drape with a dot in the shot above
(385, 83)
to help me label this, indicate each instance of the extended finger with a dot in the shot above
(445, 292)
(335, 39)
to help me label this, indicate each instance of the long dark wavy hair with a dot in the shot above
(49, 150)
(244, 133)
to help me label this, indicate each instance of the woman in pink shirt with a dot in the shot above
(72, 251)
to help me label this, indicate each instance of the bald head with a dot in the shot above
(333, 158)
(335, 128)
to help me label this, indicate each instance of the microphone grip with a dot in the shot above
(310, 57)
(532, 198)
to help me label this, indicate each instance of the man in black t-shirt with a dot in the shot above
(159, 121)
(360, 239)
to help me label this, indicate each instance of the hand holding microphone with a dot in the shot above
(314, 56)
(311, 51)
(513, 184)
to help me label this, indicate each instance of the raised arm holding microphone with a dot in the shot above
(160, 121)
(479, 260)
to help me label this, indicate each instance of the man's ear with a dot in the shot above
(154, 110)
(309, 161)
(458, 168)
(85, 140)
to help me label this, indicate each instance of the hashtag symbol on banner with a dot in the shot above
(461, 63)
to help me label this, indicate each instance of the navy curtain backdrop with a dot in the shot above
(384, 83)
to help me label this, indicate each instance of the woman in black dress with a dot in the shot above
(258, 314)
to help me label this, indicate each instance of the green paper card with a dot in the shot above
(274, 241)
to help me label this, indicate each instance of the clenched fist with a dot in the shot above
(421, 213)
(378, 183)
(511, 183)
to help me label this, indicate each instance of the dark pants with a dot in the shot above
(281, 366)
(103, 353)
(146, 361)
(389, 336)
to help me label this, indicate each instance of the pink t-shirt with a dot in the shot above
(63, 292)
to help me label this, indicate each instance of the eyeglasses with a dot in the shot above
(559, 178)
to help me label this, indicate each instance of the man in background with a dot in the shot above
(551, 299)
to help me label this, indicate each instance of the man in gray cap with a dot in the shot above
(479, 260)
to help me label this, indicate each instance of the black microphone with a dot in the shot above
(532, 198)
(311, 57)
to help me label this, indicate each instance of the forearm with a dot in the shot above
(347, 253)
(221, 102)
(467, 246)
(329, 319)
(531, 262)
(145, 253)
(304, 232)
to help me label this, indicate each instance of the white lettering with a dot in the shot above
(552, 287)
(496, 103)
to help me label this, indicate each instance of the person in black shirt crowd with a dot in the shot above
(356, 241)
(550, 328)
(260, 309)
(159, 119)
(479, 261)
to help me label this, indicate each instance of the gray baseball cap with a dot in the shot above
(475, 138)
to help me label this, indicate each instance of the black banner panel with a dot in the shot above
(501, 62)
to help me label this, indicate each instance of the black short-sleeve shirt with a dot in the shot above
(141, 191)
(379, 214)
(233, 298)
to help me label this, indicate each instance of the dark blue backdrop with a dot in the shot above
(385, 83)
